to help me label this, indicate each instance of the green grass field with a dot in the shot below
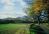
(18, 28)
(14, 28)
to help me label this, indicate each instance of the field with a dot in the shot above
(14, 29)
(19, 28)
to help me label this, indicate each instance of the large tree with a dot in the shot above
(39, 10)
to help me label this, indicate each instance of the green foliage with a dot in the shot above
(35, 10)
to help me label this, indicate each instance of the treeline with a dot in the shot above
(14, 21)
(19, 21)
(24, 19)
(6, 21)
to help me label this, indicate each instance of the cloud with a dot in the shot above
(12, 8)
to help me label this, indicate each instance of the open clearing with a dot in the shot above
(14, 28)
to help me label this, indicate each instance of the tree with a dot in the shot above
(46, 3)
(35, 10)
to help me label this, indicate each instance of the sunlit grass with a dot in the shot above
(14, 29)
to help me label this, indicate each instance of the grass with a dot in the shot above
(14, 28)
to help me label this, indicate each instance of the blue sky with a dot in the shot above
(12, 8)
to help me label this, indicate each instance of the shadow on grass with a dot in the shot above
(35, 29)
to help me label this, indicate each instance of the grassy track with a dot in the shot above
(14, 28)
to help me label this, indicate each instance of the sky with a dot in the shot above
(12, 8)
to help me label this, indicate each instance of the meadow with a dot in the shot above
(14, 28)
(21, 28)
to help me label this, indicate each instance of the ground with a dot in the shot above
(14, 28)
(19, 28)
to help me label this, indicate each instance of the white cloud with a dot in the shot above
(12, 9)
